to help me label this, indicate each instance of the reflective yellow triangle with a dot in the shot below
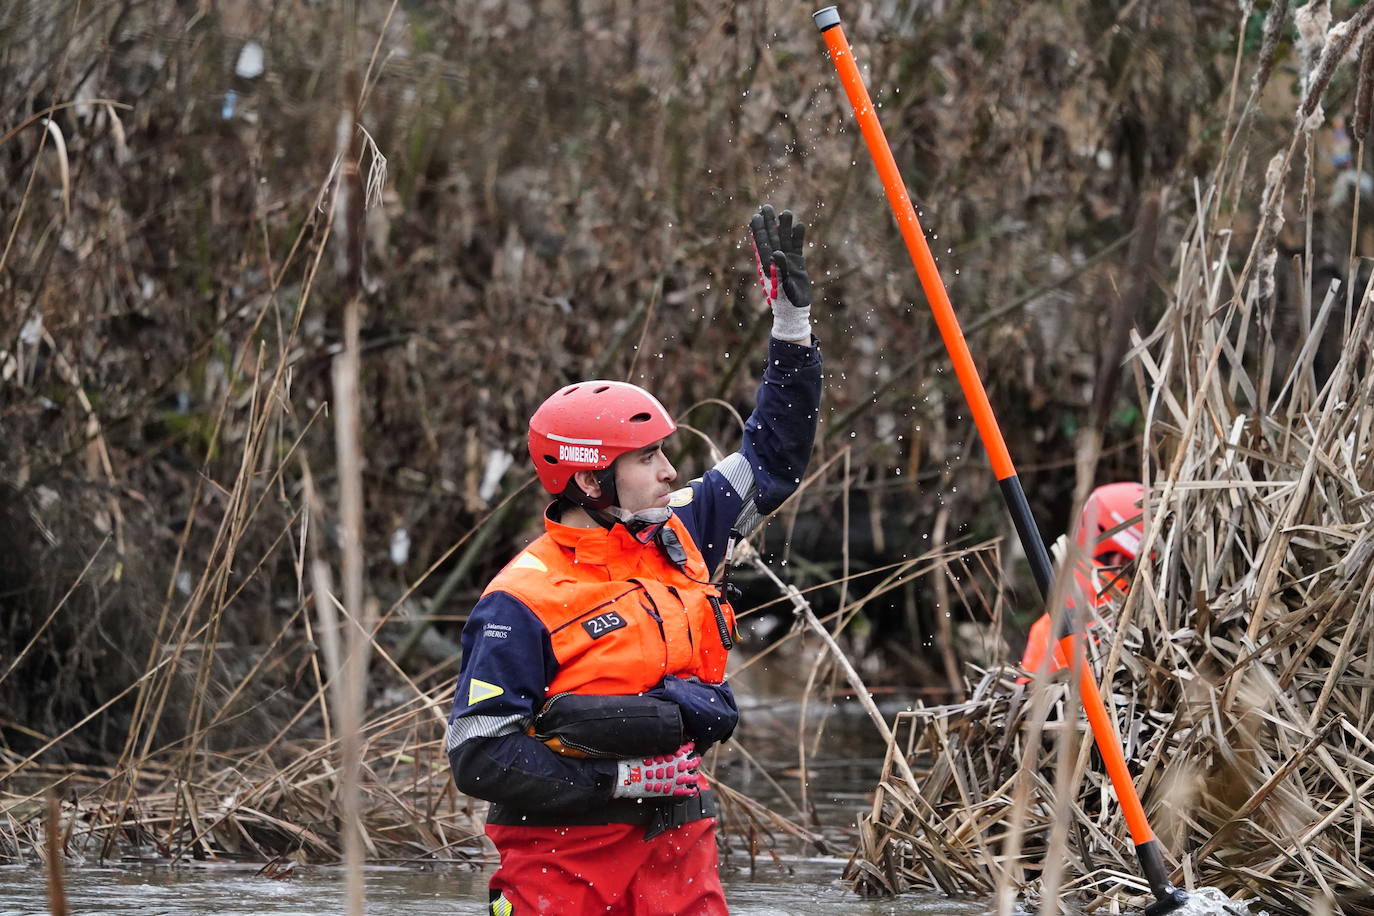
(481, 690)
(529, 561)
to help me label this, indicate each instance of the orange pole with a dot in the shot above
(921, 257)
(1169, 898)
(1112, 755)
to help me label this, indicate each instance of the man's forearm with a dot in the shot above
(611, 726)
(782, 428)
(519, 771)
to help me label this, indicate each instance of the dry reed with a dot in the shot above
(502, 241)
(1241, 666)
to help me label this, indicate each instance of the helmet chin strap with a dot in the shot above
(642, 525)
(594, 505)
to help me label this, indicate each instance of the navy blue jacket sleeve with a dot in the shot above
(772, 459)
(507, 665)
(780, 432)
(709, 712)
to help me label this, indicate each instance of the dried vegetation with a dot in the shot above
(177, 266)
(1240, 665)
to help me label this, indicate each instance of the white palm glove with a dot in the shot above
(661, 776)
(1059, 549)
(778, 255)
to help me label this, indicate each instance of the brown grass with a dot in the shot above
(172, 504)
(1240, 663)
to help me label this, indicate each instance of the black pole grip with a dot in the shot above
(1168, 897)
(1031, 541)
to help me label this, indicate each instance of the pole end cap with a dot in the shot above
(1173, 899)
(826, 18)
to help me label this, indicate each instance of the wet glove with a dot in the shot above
(781, 263)
(662, 776)
(709, 713)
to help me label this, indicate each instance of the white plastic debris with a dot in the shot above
(400, 546)
(498, 462)
(1210, 901)
(249, 65)
(32, 331)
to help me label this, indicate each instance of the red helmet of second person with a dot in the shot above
(588, 425)
(1107, 508)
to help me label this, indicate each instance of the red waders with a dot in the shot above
(607, 869)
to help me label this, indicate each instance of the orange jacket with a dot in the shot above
(620, 615)
(1042, 640)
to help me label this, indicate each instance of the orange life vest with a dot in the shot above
(1110, 591)
(620, 615)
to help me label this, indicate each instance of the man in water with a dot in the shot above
(593, 672)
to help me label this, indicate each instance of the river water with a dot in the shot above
(812, 888)
(842, 772)
(783, 880)
(795, 885)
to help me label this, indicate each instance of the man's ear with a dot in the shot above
(588, 482)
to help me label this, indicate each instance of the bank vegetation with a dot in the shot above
(208, 207)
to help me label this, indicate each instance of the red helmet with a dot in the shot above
(1107, 508)
(586, 426)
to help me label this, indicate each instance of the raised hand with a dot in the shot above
(779, 255)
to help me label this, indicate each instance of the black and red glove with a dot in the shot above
(779, 255)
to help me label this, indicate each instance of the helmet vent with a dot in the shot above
(601, 389)
(640, 418)
(550, 459)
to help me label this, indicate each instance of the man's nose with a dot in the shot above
(669, 473)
